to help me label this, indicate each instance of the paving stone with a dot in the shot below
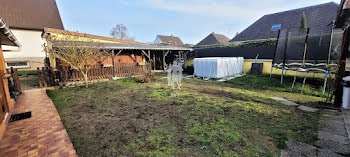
(327, 153)
(331, 113)
(333, 126)
(333, 137)
(334, 146)
(288, 153)
(307, 109)
(284, 101)
(346, 115)
(302, 148)
(35, 136)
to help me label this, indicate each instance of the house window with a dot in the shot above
(17, 65)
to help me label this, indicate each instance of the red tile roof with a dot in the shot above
(214, 39)
(171, 40)
(31, 14)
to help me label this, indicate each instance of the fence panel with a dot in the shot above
(49, 77)
(14, 79)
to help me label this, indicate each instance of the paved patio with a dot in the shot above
(41, 135)
(332, 134)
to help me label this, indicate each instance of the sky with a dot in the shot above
(191, 20)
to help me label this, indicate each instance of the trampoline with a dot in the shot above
(300, 52)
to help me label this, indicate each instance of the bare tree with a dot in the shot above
(80, 55)
(120, 31)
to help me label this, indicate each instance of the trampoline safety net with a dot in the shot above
(298, 46)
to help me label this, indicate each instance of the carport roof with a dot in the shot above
(121, 46)
(143, 47)
(6, 36)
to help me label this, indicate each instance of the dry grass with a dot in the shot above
(125, 118)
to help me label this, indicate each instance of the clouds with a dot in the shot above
(223, 16)
(239, 10)
(192, 20)
(218, 9)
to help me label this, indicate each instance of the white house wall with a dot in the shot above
(31, 50)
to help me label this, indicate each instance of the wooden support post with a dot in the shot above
(120, 51)
(60, 73)
(113, 64)
(164, 55)
(148, 55)
(163, 61)
(15, 79)
(6, 99)
(154, 61)
(341, 71)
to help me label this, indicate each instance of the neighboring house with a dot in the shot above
(318, 19)
(214, 39)
(27, 19)
(168, 40)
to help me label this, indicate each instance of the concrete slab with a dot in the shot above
(331, 113)
(327, 153)
(302, 148)
(284, 101)
(322, 135)
(307, 109)
(346, 115)
(288, 153)
(334, 146)
(333, 125)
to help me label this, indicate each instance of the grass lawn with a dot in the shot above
(125, 118)
(28, 72)
(312, 86)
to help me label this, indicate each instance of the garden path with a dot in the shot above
(333, 138)
(41, 135)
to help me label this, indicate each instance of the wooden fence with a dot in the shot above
(131, 69)
(50, 77)
(14, 79)
(96, 72)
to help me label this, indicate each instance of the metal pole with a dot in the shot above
(295, 78)
(285, 54)
(286, 48)
(302, 88)
(330, 46)
(274, 54)
(305, 46)
(282, 75)
(325, 82)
